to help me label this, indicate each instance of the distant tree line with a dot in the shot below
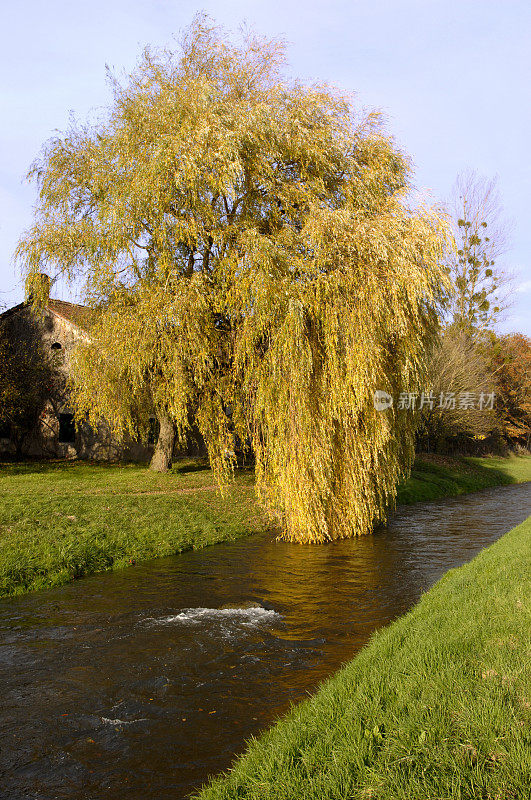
(470, 356)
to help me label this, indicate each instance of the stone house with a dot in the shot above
(59, 328)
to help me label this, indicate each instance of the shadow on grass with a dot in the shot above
(62, 466)
(30, 467)
(182, 466)
(432, 477)
(516, 468)
(37, 467)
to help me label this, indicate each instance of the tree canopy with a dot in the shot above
(247, 244)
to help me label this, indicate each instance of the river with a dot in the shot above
(141, 683)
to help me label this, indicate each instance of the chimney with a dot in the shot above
(38, 288)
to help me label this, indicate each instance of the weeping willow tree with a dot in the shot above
(255, 270)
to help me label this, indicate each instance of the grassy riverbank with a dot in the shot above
(434, 477)
(438, 705)
(60, 521)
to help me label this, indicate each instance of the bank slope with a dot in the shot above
(438, 705)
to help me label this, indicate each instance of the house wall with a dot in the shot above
(44, 441)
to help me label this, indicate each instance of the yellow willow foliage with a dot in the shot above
(254, 269)
(155, 348)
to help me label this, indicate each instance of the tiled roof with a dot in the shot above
(73, 312)
(10, 311)
(79, 315)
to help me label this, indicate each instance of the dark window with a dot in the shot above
(56, 346)
(153, 432)
(67, 429)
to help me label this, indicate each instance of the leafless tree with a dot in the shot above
(482, 236)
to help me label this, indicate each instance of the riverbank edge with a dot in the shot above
(437, 705)
(436, 477)
(116, 531)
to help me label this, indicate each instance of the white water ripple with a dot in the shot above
(254, 615)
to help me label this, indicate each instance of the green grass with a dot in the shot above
(433, 477)
(61, 521)
(438, 705)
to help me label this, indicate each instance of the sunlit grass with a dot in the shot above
(516, 468)
(63, 521)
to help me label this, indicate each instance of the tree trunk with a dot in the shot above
(19, 440)
(161, 460)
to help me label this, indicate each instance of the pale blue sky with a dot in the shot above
(453, 79)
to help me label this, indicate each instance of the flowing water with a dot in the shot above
(140, 684)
